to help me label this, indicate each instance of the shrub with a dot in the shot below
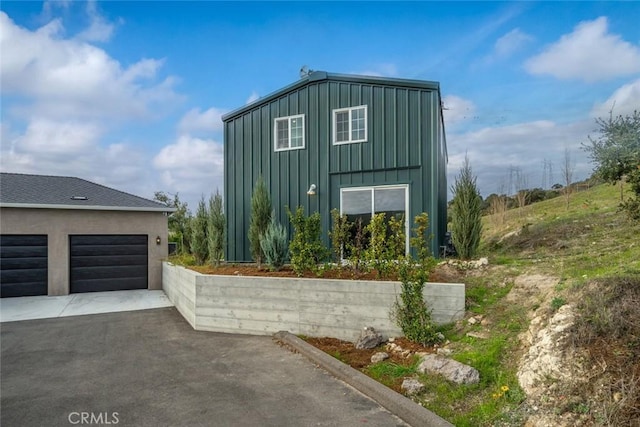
(199, 244)
(466, 218)
(260, 218)
(420, 242)
(306, 248)
(376, 252)
(339, 234)
(410, 312)
(275, 244)
(356, 248)
(216, 229)
(396, 241)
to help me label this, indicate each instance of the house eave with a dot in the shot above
(322, 76)
(87, 207)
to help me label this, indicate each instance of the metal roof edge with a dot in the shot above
(86, 207)
(323, 75)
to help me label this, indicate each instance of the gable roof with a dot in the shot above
(64, 192)
(316, 76)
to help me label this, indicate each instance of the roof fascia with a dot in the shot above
(86, 207)
(321, 75)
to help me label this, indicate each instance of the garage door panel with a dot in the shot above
(103, 285)
(109, 239)
(24, 265)
(23, 275)
(108, 262)
(104, 250)
(23, 240)
(22, 251)
(114, 272)
(23, 289)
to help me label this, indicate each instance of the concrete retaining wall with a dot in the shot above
(313, 307)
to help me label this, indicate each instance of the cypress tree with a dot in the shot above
(260, 219)
(466, 213)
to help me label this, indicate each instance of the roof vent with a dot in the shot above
(79, 198)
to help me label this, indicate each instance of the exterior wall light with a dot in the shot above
(158, 240)
(312, 190)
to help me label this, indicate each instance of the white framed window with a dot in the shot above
(350, 125)
(288, 133)
(359, 204)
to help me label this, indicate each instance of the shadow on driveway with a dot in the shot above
(150, 368)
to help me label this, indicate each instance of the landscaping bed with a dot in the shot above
(360, 359)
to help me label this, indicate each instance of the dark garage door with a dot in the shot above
(23, 265)
(108, 262)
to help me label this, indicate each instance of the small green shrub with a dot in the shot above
(275, 244)
(376, 252)
(356, 248)
(557, 302)
(306, 248)
(339, 234)
(411, 312)
(396, 241)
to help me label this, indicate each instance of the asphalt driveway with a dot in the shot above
(150, 368)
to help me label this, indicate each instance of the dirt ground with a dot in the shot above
(442, 273)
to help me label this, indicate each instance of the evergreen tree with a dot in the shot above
(216, 229)
(199, 243)
(260, 219)
(466, 213)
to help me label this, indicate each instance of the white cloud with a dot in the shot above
(457, 109)
(589, 53)
(64, 77)
(379, 70)
(99, 30)
(65, 99)
(72, 149)
(190, 165)
(195, 121)
(494, 150)
(624, 101)
(511, 42)
(253, 97)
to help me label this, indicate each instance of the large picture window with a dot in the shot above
(361, 203)
(350, 125)
(289, 133)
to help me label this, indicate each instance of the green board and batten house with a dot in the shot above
(367, 144)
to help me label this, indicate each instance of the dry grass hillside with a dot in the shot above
(573, 273)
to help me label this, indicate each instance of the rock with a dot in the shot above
(472, 321)
(444, 351)
(379, 357)
(369, 339)
(411, 385)
(452, 370)
(479, 335)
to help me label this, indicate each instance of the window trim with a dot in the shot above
(372, 188)
(275, 132)
(350, 111)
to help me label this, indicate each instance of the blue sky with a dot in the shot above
(130, 94)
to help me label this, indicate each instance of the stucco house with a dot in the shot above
(61, 235)
(359, 144)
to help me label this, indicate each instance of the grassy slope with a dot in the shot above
(586, 240)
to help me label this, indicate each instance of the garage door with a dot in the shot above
(23, 265)
(108, 262)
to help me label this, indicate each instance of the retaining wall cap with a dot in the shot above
(404, 408)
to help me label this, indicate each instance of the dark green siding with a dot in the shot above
(405, 145)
